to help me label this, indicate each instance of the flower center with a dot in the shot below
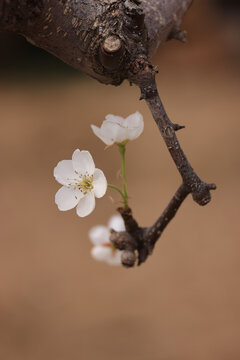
(86, 184)
(109, 244)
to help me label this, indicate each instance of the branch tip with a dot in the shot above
(212, 186)
(178, 127)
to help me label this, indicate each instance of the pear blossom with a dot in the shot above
(81, 181)
(117, 130)
(103, 249)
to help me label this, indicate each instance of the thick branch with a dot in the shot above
(100, 38)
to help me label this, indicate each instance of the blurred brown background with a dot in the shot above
(56, 302)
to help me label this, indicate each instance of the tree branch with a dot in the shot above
(153, 233)
(137, 242)
(142, 240)
(100, 38)
(143, 74)
(112, 40)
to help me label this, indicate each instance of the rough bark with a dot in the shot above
(75, 30)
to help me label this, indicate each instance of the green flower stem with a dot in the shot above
(117, 189)
(122, 149)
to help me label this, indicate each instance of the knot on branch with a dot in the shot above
(201, 194)
(178, 34)
(134, 242)
(111, 52)
(128, 258)
(124, 241)
(142, 73)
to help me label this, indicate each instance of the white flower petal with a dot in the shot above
(83, 162)
(99, 235)
(134, 120)
(101, 253)
(86, 205)
(135, 125)
(114, 119)
(99, 183)
(116, 223)
(134, 133)
(114, 131)
(122, 135)
(115, 258)
(64, 171)
(98, 132)
(67, 198)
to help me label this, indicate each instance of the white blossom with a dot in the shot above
(81, 181)
(103, 249)
(117, 130)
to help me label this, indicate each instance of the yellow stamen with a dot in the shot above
(86, 184)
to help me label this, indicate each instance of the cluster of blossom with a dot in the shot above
(103, 249)
(82, 182)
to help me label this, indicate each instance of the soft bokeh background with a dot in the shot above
(56, 302)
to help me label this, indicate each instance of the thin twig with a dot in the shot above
(143, 74)
(153, 233)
